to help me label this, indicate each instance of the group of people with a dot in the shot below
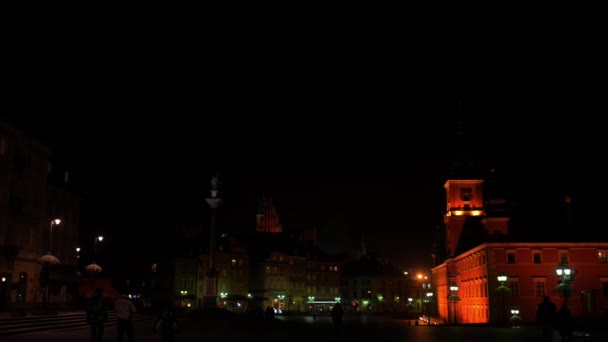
(97, 315)
(124, 309)
(550, 319)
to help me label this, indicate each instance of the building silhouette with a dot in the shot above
(34, 191)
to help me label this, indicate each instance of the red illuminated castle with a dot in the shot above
(267, 218)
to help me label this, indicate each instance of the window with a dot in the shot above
(539, 288)
(563, 257)
(603, 257)
(466, 194)
(537, 258)
(510, 257)
(154, 268)
(514, 286)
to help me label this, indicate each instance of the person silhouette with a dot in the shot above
(546, 313)
(564, 322)
(336, 316)
(167, 325)
(124, 309)
(97, 315)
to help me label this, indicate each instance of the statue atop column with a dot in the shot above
(215, 184)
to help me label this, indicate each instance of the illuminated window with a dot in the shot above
(603, 257)
(154, 268)
(537, 258)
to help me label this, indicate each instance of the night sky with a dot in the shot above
(356, 143)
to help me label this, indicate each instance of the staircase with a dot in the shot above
(63, 321)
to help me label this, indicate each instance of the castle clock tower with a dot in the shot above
(464, 199)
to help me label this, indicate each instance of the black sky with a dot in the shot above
(357, 143)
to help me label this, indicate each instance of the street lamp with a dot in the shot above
(429, 295)
(502, 278)
(515, 318)
(94, 268)
(49, 258)
(53, 222)
(98, 238)
(454, 298)
(311, 299)
(46, 260)
(565, 274)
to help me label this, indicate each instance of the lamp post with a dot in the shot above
(502, 278)
(454, 298)
(94, 267)
(46, 260)
(565, 274)
(53, 222)
(98, 238)
(515, 319)
(429, 296)
(49, 258)
(311, 300)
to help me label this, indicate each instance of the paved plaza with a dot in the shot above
(304, 328)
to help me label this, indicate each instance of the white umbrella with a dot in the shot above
(93, 268)
(48, 259)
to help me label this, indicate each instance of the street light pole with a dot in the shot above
(53, 222)
(97, 238)
(45, 267)
(454, 297)
(429, 295)
(502, 278)
(564, 273)
(94, 268)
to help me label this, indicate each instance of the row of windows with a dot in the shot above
(322, 290)
(563, 257)
(541, 290)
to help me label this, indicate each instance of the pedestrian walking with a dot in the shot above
(546, 313)
(166, 325)
(97, 315)
(124, 310)
(336, 316)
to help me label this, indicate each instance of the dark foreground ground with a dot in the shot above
(307, 328)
